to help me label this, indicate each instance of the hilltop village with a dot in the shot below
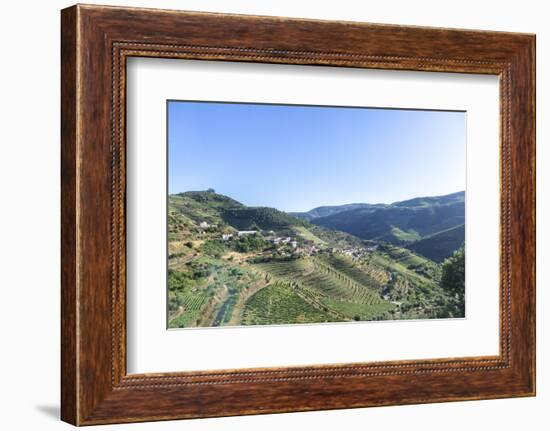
(296, 245)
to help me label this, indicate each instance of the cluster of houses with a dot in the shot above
(238, 234)
(206, 225)
(284, 240)
(357, 252)
(269, 235)
(310, 250)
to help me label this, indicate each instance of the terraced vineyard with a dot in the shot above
(282, 304)
(229, 265)
(206, 292)
(190, 308)
(337, 284)
(347, 267)
(398, 261)
(330, 291)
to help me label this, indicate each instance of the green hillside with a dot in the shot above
(437, 246)
(406, 223)
(429, 201)
(213, 208)
(201, 206)
(230, 264)
(259, 218)
(326, 211)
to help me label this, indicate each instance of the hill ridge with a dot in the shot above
(412, 223)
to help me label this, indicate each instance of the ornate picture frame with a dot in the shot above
(96, 42)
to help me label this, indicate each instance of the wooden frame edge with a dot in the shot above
(89, 395)
(69, 304)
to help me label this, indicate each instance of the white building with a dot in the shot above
(246, 232)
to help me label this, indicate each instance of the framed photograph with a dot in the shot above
(302, 249)
(266, 215)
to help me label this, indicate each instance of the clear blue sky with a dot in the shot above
(295, 158)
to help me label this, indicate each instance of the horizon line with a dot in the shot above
(321, 206)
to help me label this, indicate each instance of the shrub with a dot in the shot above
(213, 248)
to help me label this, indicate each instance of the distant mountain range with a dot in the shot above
(432, 226)
(326, 211)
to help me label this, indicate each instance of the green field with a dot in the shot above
(328, 289)
(281, 304)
